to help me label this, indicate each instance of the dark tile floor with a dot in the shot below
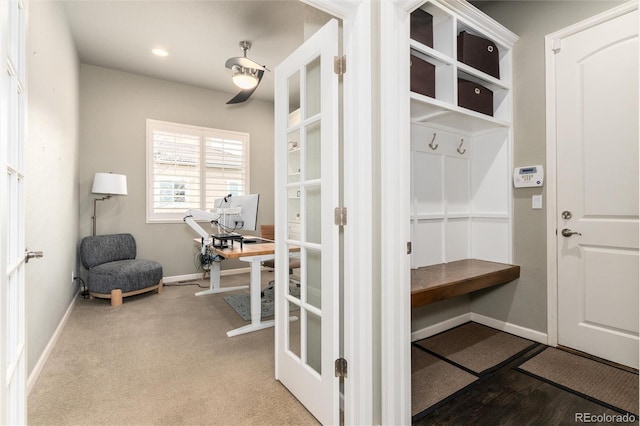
(510, 397)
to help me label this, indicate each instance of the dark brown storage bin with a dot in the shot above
(422, 27)
(479, 53)
(423, 77)
(475, 97)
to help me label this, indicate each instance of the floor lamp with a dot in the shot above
(108, 184)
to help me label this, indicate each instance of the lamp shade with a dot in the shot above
(109, 183)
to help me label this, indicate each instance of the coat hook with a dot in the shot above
(460, 146)
(431, 145)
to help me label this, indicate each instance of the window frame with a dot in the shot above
(204, 132)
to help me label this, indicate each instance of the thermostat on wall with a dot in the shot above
(528, 176)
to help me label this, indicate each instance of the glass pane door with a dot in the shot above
(306, 193)
(12, 196)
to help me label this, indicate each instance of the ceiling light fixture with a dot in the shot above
(160, 52)
(244, 78)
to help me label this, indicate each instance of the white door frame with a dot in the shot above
(553, 41)
(357, 195)
(394, 202)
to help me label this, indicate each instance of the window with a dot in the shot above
(189, 167)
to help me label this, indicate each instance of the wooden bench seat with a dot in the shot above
(436, 282)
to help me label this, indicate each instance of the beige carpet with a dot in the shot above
(162, 359)
(475, 346)
(595, 380)
(433, 380)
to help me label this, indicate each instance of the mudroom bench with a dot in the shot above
(442, 281)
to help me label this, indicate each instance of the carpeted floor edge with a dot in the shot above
(490, 368)
(435, 405)
(566, 388)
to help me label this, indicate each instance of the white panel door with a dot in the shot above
(597, 190)
(307, 191)
(12, 251)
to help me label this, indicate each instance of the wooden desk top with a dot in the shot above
(248, 249)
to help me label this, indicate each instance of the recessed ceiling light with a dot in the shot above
(160, 52)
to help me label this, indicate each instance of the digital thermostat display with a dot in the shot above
(528, 176)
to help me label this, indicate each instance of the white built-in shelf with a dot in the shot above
(433, 111)
(461, 161)
(449, 19)
(429, 52)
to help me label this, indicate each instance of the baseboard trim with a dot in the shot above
(37, 369)
(432, 330)
(198, 276)
(514, 329)
(517, 330)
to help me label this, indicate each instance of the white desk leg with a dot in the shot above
(256, 304)
(214, 282)
(256, 299)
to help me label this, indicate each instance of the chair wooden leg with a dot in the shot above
(116, 297)
(160, 285)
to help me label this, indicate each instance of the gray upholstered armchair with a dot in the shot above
(114, 271)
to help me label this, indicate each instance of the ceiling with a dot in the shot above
(199, 36)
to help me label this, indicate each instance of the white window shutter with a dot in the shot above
(189, 167)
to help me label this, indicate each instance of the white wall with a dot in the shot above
(524, 301)
(114, 106)
(52, 150)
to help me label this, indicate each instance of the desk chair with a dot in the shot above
(267, 232)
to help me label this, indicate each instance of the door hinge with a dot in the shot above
(408, 247)
(340, 216)
(557, 45)
(340, 64)
(341, 367)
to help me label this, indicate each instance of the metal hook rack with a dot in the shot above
(431, 145)
(460, 146)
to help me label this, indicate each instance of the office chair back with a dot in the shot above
(267, 232)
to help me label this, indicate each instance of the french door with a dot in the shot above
(307, 191)
(12, 250)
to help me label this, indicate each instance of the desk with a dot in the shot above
(255, 254)
(214, 271)
(214, 277)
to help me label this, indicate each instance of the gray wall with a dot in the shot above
(52, 163)
(114, 108)
(524, 302)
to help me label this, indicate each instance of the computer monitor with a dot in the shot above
(245, 219)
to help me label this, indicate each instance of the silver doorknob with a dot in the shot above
(566, 232)
(31, 254)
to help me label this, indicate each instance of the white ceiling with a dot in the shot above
(199, 36)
